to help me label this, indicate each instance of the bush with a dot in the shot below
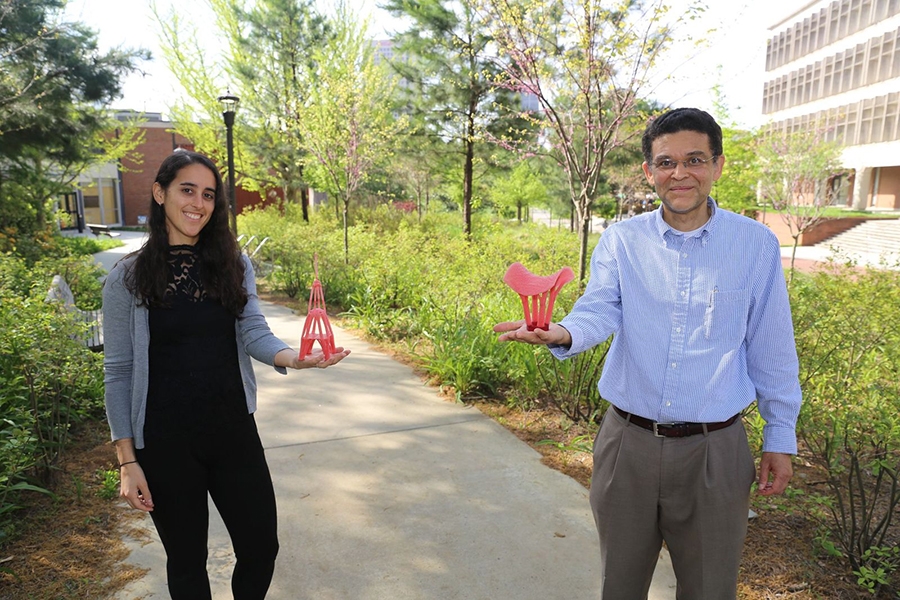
(849, 350)
(49, 381)
(424, 285)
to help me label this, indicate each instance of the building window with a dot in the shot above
(101, 203)
(827, 26)
(891, 118)
(892, 50)
(859, 64)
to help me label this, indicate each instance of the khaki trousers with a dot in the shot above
(693, 493)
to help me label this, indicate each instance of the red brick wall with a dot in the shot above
(821, 231)
(137, 178)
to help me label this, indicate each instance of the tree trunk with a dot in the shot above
(304, 203)
(467, 189)
(468, 171)
(583, 230)
(346, 213)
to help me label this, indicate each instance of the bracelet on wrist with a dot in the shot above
(127, 462)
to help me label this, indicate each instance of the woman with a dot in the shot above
(181, 320)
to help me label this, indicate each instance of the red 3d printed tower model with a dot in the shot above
(316, 327)
(537, 293)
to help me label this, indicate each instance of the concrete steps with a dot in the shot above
(869, 242)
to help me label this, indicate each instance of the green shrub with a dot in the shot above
(49, 381)
(425, 285)
(849, 349)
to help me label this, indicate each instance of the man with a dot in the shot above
(695, 299)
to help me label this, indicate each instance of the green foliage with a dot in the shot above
(109, 483)
(85, 246)
(572, 384)
(267, 62)
(49, 381)
(736, 189)
(445, 56)
(347, 124)
(880, 563)
(53, 86)
(426, 286)
(850, 420)
(521, 189)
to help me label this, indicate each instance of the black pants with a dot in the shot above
(231, 467)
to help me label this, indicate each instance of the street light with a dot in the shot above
(229, 106)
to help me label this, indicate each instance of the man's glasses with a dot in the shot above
(692, 163)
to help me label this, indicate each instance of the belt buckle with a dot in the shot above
(656, 431)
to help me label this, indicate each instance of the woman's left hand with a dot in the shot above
(290, 358)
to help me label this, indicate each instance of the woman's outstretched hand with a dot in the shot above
(517, 331)
(290, 359)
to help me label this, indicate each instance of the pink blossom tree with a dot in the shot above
(586, 62)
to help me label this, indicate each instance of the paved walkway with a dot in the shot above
(387, 491)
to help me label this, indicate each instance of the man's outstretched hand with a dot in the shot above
(517, 331)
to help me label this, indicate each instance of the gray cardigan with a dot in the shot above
(126, 365)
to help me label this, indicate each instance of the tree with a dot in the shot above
(736, 188)
(53, 85)
(346, 123)
(269, 62)
(444, 58)
(520, 190)
(585, 61)
(802, 177)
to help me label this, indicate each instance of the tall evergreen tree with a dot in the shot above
(54, 84)
(444, 58)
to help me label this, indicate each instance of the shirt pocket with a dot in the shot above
(726, 316)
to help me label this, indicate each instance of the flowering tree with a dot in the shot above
(347, 124)
(802, 176)
(585, 61)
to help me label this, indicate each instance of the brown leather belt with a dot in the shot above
(674, 429)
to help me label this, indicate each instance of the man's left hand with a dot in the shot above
(775, 471)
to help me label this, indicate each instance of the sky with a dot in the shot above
(732, 57)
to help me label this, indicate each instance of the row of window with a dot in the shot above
(868, 121)
(867, 63)
(838, 20)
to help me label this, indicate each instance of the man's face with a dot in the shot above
(683, 190)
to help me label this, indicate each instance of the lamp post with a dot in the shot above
(229, 106)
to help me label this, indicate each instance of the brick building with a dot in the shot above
(119, 195)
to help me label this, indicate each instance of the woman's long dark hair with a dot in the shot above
(219, 258)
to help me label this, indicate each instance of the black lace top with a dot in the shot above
(195, 381)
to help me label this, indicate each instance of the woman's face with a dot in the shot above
(188, 203)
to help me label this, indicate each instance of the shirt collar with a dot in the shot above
(662, 227)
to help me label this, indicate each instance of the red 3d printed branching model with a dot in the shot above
(538, 293)
(316, 327)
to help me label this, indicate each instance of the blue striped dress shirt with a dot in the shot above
(701, 323)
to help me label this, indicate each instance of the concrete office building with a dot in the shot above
(836, 64)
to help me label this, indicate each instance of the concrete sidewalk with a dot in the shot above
(388, 492)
